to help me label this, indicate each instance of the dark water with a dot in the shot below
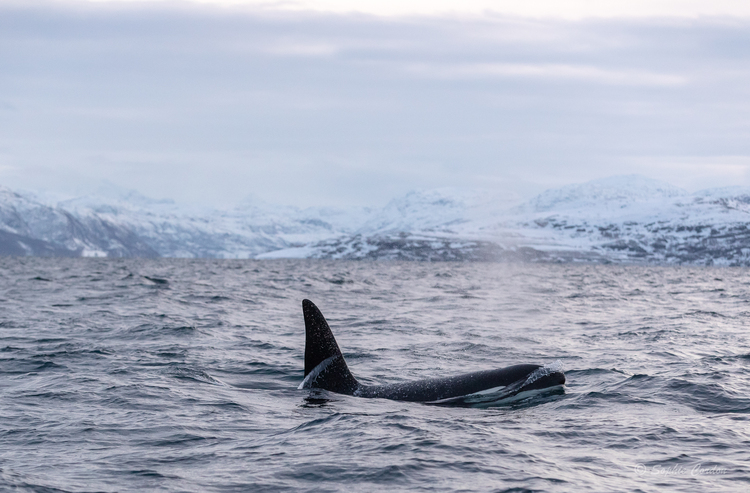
(122, 375)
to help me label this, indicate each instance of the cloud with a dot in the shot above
(206, 104)
(549, 71)
(697, 172)
(568, 9)
(303, 49)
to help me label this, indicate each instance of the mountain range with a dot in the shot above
(619, 219)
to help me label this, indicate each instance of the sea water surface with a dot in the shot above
(182, 375)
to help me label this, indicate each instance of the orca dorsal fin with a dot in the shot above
(325, 367)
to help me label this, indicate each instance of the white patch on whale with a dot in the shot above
(310, 378)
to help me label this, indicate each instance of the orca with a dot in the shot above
(326, 369)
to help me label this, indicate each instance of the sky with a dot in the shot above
(344, 103)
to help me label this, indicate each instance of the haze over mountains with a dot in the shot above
(617, 219)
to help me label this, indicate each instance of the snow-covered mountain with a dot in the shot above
(649, 221)
(28, 227)
(616, 192)
(439, 210)
(618, 219)
(91, 226)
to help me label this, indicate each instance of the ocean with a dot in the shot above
(182, 375)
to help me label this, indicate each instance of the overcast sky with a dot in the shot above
(322, 103)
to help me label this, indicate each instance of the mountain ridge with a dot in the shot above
(616, 219)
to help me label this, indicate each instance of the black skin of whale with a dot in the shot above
(326, 369)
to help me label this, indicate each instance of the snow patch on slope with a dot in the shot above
(439, 210)
(611, 193)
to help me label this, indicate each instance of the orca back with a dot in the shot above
(326, 369)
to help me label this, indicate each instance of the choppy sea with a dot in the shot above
(182, 375)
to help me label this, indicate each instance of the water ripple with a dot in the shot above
(181, 375)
